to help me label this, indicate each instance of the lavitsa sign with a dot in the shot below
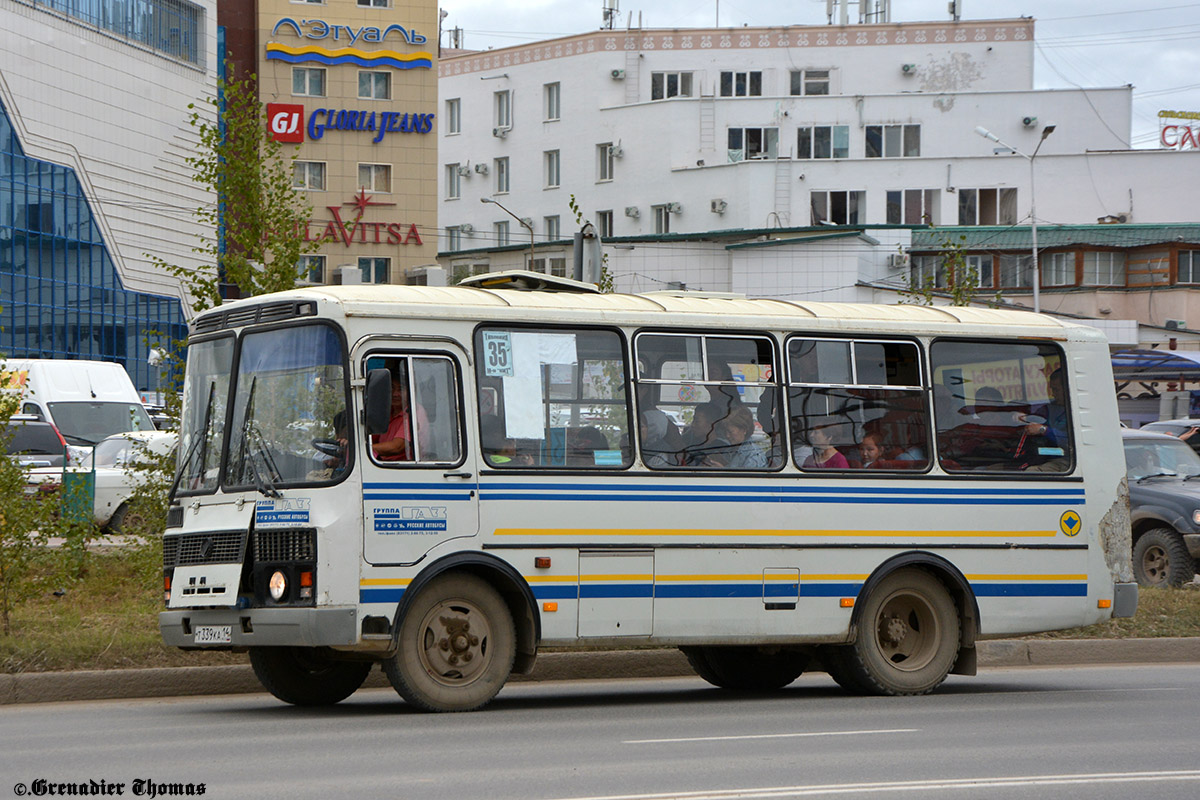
(286, 121)
(1174, 136)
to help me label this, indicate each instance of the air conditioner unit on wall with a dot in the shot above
(482, 169)
(674, 208)
(465, 170)
(618, 74)
(632, 211)
(617, 151)
(908, 69)
(467, 228)
(718, 206)
(898, 260)
(1175, 324)
(499, 133)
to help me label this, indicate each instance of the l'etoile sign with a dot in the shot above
(286, 121)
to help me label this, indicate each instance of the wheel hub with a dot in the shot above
(894, 630)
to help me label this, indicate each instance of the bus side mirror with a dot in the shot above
(378, 406)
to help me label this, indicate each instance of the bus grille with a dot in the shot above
(285, 545)
(223, 547)
(265, 312)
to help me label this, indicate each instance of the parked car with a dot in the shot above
(1177, 427)
(114, 459)
(1164, 506)
(33, 443)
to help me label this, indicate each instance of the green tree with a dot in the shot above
(962, 281)
(259, 219)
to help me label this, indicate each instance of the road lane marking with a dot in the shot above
(768, 736)
(956, 784)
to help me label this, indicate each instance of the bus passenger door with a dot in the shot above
(419, 490)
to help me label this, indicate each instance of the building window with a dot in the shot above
(312, 268)
(375, 177)
(374, 270)
(1015, 272)
(552, 227)
(453, 238)
(662, 219)
(753, 143)
(928, 272)
(308, 81)
(1101, 268)
(982, 266)
(454, 116)
(501, 167)
(1189, 267)
(1058, 269)
(604, 224)
(552, 93)
(373, 3)
(308, 175)
(453, 182)
(173, 27)
(604, 157)
(810, 81)
(553, 162)
(500, 231)
(741, 84)
(665, 85)
(837, 208)
(893, 141)
(823, 141)
(911, 207)
(374, 86)
(987, 206)
(502, 102)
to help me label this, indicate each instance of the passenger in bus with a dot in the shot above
(582, 444)
(657, 451)
(737, 428)
(1052, 421)
(824, 454)
(701, 439)
(395, 444)
(870, 451)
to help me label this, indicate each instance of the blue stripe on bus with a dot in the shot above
(390, 595)
(556, 592)
(594, 590)
(1030, 589)
(760, 489)
(635, 498)
(408, 496)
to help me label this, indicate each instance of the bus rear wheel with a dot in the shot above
(306, 676)
(908, 638)
(456, 645)
(747, 669)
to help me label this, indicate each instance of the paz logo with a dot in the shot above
(1070, 523)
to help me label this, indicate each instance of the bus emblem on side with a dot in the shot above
(1070, 523)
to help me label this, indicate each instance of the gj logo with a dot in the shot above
(286, 121)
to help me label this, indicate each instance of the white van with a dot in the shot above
(86, 400)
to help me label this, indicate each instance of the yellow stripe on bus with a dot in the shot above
(1001, 577)
(583, 578)
(385, 582)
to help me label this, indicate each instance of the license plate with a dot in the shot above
(213, 634)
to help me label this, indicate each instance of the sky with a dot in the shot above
(1079, 43)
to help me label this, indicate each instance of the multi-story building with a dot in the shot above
(751, 159)
(352, 84)
(93, 134)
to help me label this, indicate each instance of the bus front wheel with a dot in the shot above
(306, 676)
(456, 645)
(908, 637)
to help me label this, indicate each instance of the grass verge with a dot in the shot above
(109, 620)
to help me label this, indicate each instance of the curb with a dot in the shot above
(48, 687)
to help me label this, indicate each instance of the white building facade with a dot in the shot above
(658, 133)
(94, 133)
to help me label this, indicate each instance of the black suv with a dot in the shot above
(1164, 506)
(33, 443)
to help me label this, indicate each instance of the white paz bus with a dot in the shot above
(444, 480)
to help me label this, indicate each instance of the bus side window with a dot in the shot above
(1001, 407)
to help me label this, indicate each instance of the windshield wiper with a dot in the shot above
(1158, 475)
(202, 439)
(248, 468)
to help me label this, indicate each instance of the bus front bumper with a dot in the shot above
(225, 628)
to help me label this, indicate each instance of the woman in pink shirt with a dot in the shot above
(824, 454)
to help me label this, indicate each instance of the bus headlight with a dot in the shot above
(1196, 516)
(277, 585)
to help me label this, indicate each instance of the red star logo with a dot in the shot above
(362, 200)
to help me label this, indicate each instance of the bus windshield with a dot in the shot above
(289, 410)
(201, 430)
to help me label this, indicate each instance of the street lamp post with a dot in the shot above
(520, 221)
(1037, 273)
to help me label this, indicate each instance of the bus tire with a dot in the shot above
(456, 645)
(747, 669)
(307, 676)
(908, 637)
(1161, 559)
(836, 660)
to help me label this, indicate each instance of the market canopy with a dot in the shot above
(1154, 365)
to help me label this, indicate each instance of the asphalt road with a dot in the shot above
(1063, 732)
